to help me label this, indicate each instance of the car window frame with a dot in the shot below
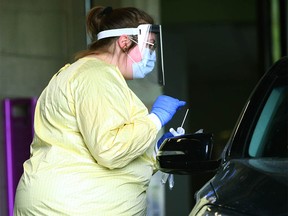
(262, 129)
(238, 144)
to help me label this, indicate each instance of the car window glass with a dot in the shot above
(269, 138)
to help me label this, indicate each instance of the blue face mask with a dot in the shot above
(145, 66)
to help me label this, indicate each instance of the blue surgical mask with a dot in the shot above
(145, 66)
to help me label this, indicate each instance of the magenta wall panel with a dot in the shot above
(18, 130)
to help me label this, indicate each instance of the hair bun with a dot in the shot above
(106, 11)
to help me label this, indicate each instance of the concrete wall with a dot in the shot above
(36, 39)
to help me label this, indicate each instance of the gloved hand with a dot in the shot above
(165, 136)
(172, 132)
(165, 108)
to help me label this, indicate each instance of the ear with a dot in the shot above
(123, 42)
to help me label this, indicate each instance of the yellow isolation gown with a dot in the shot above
(92, 153)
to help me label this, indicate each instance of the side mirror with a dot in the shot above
(187, 154)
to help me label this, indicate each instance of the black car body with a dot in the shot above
(252, 173)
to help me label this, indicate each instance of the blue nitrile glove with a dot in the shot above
(165, 108)
(165, 136)
(171, 133)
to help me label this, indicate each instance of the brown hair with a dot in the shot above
(104, 18)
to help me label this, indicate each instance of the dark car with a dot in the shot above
(252, 174)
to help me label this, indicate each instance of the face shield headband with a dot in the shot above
(145, 40)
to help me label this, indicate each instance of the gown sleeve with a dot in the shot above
(113, 121)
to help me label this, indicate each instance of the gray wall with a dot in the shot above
(36, 39)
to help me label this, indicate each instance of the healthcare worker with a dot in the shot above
(93, 148)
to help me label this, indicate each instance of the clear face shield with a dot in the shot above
(148, 39)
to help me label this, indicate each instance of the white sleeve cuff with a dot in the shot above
(154, 118)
